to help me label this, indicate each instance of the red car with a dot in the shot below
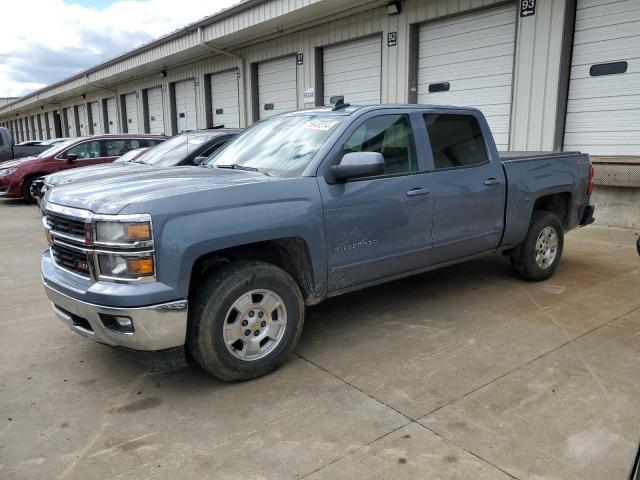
(17, 176)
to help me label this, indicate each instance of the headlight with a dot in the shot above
(6, 171)
(126, 233)
(126, 267)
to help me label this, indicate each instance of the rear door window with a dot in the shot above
(456, 140)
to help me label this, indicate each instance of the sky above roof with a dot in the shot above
(44, 41)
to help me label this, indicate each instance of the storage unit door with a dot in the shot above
(603, 108)
(71, 123)
(112, 117)
(225, 100)
(32, 128)
(185, 105)
(467, 61)
(82, 118)
(277, 86)
(96, 120)
(52, 125)
(155, 111)
(353, 70)
(131, 107)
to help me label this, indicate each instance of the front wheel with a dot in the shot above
(245, 320)
(538, 256)
(28, 189)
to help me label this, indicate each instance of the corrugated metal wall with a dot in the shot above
(536, 74)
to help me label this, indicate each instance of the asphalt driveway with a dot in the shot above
(463, 373)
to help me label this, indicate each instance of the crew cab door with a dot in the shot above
(467, 183)
(379, 226)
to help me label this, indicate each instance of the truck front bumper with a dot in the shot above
(152, 328)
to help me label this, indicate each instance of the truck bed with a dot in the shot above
(522, 156)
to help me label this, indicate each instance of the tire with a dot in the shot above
(227, 299)
(525, 262)
(26, 190)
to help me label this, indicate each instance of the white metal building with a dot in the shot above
(548, 74)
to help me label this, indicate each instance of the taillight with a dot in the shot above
(590, 188)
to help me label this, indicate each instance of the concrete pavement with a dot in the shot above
(464, 373)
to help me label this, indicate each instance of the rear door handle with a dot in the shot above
(492, 181)
(414, 192)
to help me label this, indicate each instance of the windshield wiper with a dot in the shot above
(235, 166)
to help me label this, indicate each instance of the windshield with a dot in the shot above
(131, 155)
(55, 149)
(280, 146)
(175, 150)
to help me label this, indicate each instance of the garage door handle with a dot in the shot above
(414, 192)
(491, 181)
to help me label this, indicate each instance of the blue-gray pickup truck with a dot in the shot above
(218, 261)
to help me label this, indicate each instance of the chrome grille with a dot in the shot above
(65, 226)
(70, 259)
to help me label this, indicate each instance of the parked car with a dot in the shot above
(184, 149)
(298, 208)
(28, 143)
(18, 176)
(9, 150)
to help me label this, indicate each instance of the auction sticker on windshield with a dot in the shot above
(323, 125)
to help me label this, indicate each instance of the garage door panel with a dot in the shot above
(605, 13)
(355, 49)
(606, 51)
(362, 62)
(277, 86)
(604, 86)
(489, 18)
(480, 39)
(474, 53)
(617, 121)
(499, 65)
(626, 102)
(357, 79)
(353, 70)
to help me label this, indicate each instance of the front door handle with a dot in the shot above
(491, 181)
(414, 192)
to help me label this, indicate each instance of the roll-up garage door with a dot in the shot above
(467, 61)
(32, 128)
(603, 108)
(131, 112)
(82, 120)
(70, 122)
(155, 111)
(52, 125)
(96, 121)
(225, 99)
(353, 70)
(185, 105)
(277, 86)
(112, 116)
(40, 127)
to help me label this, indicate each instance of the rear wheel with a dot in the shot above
(245, 320)
(538, 256)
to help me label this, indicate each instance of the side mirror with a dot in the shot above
(199, 160)
(71, 157)
(359, 164)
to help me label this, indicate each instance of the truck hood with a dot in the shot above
(95, 172)
(110, 196)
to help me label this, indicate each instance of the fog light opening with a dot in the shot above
(117, 323)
